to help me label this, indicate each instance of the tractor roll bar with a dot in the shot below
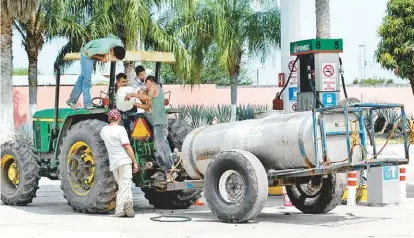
(111, 92)
(56, 128)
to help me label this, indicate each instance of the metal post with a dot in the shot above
(290, 31)
(56, 128)
(112, 85)
(406, 148)
(158, 72)
(315, 138)
(348, 142)
(371, 118)
(362, 133)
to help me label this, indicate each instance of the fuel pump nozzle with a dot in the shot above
(341, 70)
(311, 85)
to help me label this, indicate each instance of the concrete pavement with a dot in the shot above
(50, 216)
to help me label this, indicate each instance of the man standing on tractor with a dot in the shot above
(155, 102)
(95, 50)
(121, 156)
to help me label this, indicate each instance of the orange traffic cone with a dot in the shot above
(198, 203)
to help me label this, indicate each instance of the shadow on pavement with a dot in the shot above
(295, 218)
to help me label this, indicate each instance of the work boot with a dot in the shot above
(72, 105)
(129, 210)
(89, 107)
(119, 215)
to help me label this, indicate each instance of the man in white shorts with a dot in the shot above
(121, 156)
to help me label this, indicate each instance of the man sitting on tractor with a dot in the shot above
(95, 50)
(155, 102)
(122, 81)
(139, 82)
(121, 156)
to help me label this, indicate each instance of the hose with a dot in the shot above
(180, 218)
(341, 70)
(291, 71)
(311, 85)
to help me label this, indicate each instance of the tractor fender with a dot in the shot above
(71, 120)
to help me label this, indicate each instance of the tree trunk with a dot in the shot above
(323, 22)
(130, 70)
(34, 41)
(32, 86)
(6, 82)
(412, 83)
(233, 90)
(234, 81)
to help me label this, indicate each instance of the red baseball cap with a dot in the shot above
(114, 115)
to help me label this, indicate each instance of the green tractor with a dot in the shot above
(67, 146)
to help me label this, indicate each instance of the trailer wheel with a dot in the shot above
(86, 181)
(320, 195)
(19, 174)
(235, 186)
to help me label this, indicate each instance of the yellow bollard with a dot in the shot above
(275, 191)
(361, 194)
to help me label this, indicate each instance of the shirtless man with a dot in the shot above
(155, 102)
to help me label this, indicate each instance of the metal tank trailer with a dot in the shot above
(236, 162)
(309, 151)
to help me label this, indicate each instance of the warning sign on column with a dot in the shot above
(328, 77)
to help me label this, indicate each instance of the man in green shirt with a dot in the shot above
(95, 50)
(155, 102)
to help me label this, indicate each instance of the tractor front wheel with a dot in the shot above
(19, 174)
(86, 181)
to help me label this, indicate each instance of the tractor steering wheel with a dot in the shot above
(100, 104)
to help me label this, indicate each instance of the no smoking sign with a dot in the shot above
(292, 66)
(328, 77)
(328, 70)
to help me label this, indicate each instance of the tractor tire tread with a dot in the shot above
(102, 195)
(29, 171)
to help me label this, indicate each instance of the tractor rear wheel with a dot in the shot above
(86, 181)
(180, 199)
(19, 174)
(177, 131)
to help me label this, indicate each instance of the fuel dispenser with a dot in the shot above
(318, 69)
(318, 74)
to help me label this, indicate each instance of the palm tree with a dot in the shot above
(236, 29)
(133, 21)
(323, 22)
(10, 10)
(43, 24)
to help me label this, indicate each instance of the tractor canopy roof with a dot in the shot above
(139, 55)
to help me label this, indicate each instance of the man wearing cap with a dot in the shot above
(121, 156)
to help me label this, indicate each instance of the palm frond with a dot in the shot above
(18, 9)
(262, 32)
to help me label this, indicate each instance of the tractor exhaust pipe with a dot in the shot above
(56, 128)
(112, 86)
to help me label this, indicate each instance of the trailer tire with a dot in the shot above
(177, 131)
(101, 193)
(181, 199)
(25, 174)
(322, 200)
(240, 198)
